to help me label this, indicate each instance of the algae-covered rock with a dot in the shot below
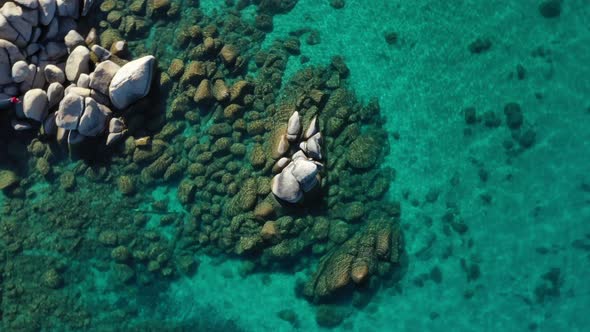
(258, 156)
(67, 180)
(42, 166)
(269, 231)
(355, 260)
(149, 153)
(329, 316)
(245, 200)
(232, 111)
(194, 73)
(364, 152)
(247, 244)
(220, 91)
(126, 185)
(220, 129)
(186, 191)
(176, 68)
(7, 179)
(204, 92)
(52, 279)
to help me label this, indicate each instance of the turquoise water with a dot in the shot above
(494, 199)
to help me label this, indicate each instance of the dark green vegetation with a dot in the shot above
(209, 132)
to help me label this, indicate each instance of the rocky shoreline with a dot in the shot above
(70, 87)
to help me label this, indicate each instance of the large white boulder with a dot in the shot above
(132, 82)
(20, 71)
(94, 120)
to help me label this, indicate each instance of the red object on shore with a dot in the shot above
(14, 100)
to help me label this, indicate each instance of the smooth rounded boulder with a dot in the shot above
(78, 62)
(55, 93)
(20, 71)
(132, 82)
(54, 74)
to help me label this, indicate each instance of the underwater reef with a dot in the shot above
(216, 123)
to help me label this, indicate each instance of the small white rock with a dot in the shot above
(313, 147)
(312, 129)
(83, 81)
(54, 74)
(94, 119)
(101, 52)
(69, 112)
(55, 93)
(294, 126)
(20, 71)
(285, 187)
(35, 104)
(116, 125)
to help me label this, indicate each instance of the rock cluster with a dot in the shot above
(370, 252)
(298, 173)
(70, 87)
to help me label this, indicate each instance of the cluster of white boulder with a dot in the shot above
(47, 64)
(298, 173)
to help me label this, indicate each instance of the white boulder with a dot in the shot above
(132, 82)
(35, 104)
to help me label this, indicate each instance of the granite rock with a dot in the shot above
(132, 82)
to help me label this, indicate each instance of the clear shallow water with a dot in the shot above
(496, 238)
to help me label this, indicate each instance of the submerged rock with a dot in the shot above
(363, 152)
(54, 74)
